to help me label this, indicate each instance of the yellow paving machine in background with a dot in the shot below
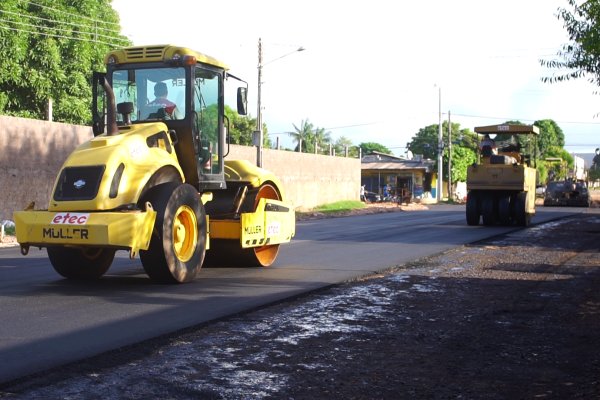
(501, 185)
(154, 180)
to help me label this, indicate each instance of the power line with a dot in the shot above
(95, 30)
(95, 27)
(352, 126)
(72, 14)
(59, 36)
(74, 31)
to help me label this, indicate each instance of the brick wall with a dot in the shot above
(32, 151)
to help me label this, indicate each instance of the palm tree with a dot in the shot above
(303, 135)
(322, 138)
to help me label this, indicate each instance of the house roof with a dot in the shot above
(381, 161)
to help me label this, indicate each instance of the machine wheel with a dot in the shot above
(473, 209)
(178, 242)
(230, 252)
(81, 263)
(265, 255)
(487, 209)
(521, 215)
(504, 210)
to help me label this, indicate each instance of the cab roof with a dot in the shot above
(154, 53)
(508, 129)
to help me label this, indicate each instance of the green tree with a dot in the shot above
(307, 136)
(322, 139)
(558, 165)
(303, 136)
(551, 136)
(342, 143)
(369, 147)
(550, 139)
(462, 157)
(49, 52)
(425, 141)
(464, 145)
(241, 128)
(580, 57)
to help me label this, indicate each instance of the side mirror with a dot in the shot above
(242, 101)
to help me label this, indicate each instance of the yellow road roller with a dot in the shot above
(501, 185)
(154, 180)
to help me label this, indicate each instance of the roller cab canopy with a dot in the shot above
(160, 53)
(508, 129)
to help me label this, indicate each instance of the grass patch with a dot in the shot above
(340, 206)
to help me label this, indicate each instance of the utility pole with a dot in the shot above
(440, 148)
(258, 133)
(259, 127)
(449, 157)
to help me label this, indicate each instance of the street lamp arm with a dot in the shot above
(285, 55)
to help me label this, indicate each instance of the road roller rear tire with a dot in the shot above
(521, 215)
(487, 210)
(473, 209)
(504, 210)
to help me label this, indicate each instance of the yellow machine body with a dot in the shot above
(517, 178)
(273, 221)
(120, 230)
(158, 184)
(94, 221)
(501, 185)
(89, 223)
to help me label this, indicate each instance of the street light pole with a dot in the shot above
(259, 127)
(259, 135)
(440, 148)
(450, 197)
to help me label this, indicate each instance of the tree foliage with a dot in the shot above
(580, 56)
(425, 142)
(551, 136)
(302, 135)
(241, 129)
(342, 144)
(307, 136)
(48, 50)
(555, 164)
(464, 145)
(369, 147)
(549, 143)
(462, 157)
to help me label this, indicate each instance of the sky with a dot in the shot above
(375, 71)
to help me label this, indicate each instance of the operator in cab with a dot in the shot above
(488, 146)
(161, 107)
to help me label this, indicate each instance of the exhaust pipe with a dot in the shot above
(111, 112)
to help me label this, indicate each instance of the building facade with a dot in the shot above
(398, 178)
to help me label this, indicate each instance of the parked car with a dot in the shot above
(567, 193)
